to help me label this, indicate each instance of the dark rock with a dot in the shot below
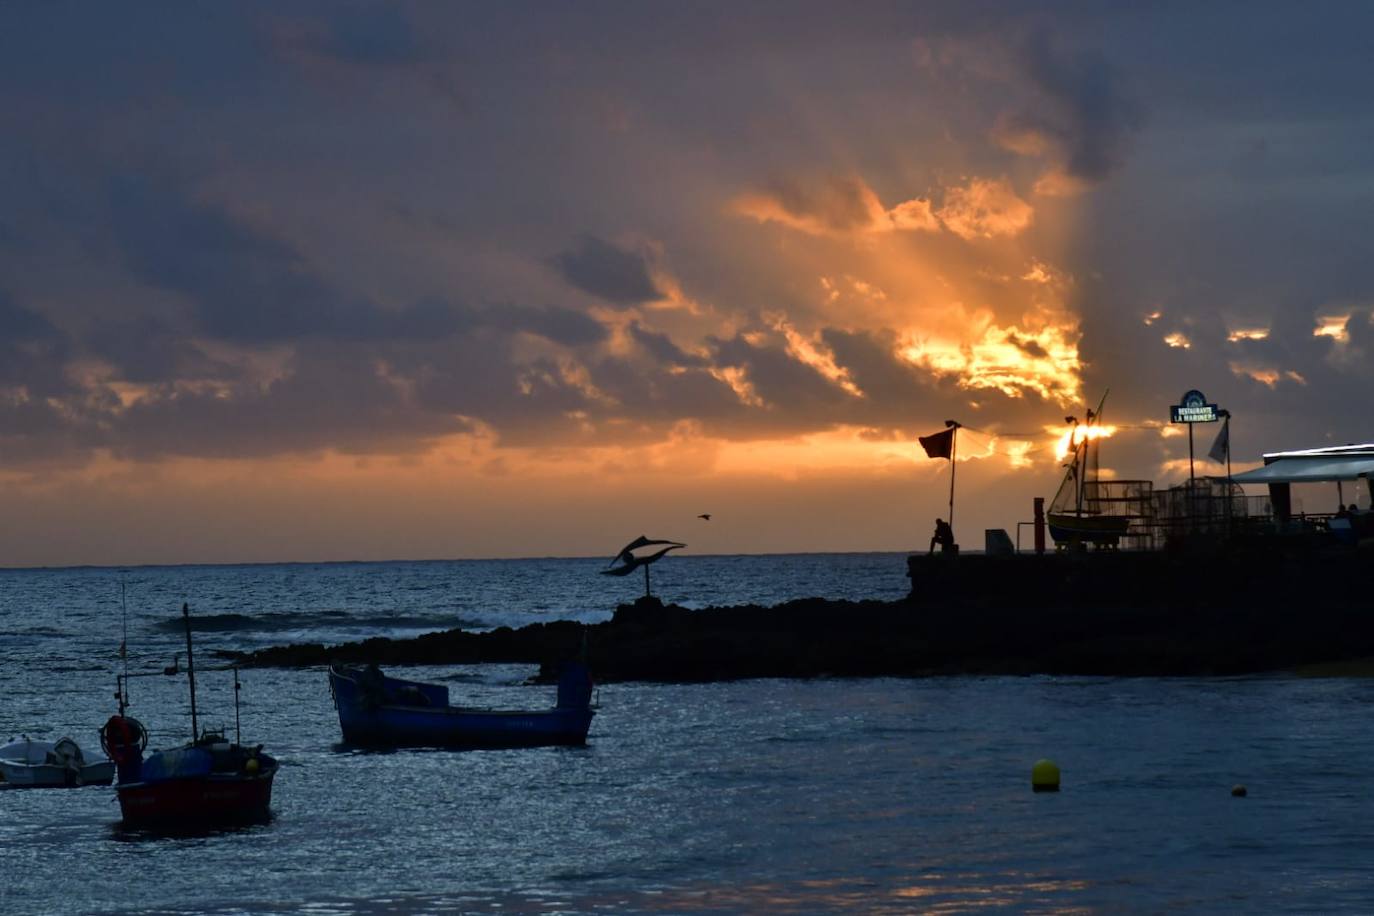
(1098, 614)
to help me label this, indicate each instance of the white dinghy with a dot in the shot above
(28, 764)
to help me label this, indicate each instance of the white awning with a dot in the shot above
(1310, 468)
(1330, 451)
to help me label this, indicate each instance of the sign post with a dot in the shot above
(1193, 408)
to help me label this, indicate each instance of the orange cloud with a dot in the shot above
(1059, 183)
(915, 214)
(1041, 359)
(836, 205)
(814, 354)
(984, 209)
(1333, 326)
(1265, 375)
(846, 205)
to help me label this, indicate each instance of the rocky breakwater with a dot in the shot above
(1109, 614)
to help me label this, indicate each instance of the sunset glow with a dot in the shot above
(1043, 361)
(1077, 435)
(516, 267)
(1268, 376)
(1333, 326)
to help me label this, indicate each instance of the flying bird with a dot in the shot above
(706, 516)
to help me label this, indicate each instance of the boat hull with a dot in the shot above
(1087, 529)
(29, 764)
(51, 776)
(377, 723)
(213, 799)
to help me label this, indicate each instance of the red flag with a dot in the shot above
(938, 445)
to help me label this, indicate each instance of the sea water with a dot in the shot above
(769, 796)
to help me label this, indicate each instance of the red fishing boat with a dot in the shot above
(208, 782)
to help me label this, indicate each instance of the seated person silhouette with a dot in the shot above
(944, 536)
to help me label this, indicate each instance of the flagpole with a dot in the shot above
(953, 456)
(1228, 446)
(1226, 431)
(1192, 497)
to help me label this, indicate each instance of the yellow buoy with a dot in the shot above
(1045, 776)
(1238, 791)
(251, 766)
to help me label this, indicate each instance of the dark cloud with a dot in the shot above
(89, 57)
(655, 398)
(871, 360)
(333, 398)
(789, 389)
(243, 284)
(40, 433)
(1028, 346)
(1086, 114)
(38, 422)
(480, 375)
(837, 203)
(608, 272)
(389, 395)
(146, 349)
(369, 48)
(32, 351)
(18, 324)
(375, 35)
(662, 348)
(560, 325)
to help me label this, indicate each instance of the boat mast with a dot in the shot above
(238, 734)
(190, 669)
(123, 683)
(1087, 445)
(1078, 464)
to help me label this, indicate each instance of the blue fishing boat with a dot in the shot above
(376, 710)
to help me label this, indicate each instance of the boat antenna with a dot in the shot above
(238, 735)
(190, 669)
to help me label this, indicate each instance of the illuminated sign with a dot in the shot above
(1193, 409)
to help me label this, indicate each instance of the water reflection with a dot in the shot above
(122, 834)
(930, 893)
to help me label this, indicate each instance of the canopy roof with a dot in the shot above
(1313, 465)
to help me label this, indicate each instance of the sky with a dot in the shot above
(336, 281)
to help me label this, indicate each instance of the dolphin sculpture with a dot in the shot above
(630, 561)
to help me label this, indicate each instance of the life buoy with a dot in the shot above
(123, 739)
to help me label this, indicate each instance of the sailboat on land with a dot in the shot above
(1078, 514)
